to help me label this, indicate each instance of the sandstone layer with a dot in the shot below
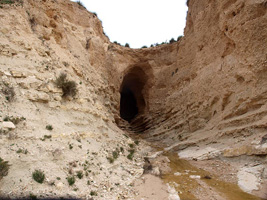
(204, 96)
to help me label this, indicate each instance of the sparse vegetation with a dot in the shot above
(93, 193)
(70, 146)
(179, 38)
(80, 174)
(25, 151)
(4, 167)
(143, 47)
(136, 142)
(110, 159)
(46, 137)
(68, 87)
(49, 127)
(172, 40)
(131, 145)
(14, 120)
(71, 180)
(38, 176)
(127, 45)
(131, 154)
(80, 4)
(8, 91)
(115, 155)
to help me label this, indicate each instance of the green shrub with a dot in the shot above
(93, 193)
(127, 45)
(4, 167)
(25, 151)
(68, 87)
(38, 176)
(80, 4)
(131, 154)
(143, 47)
(172, 40)
(14, 120)
(49, 127)
(71, 180)
(115, 154)
(179, 38)
(80, 174)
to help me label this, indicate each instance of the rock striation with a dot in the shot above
(208, 92)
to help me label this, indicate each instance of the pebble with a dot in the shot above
(194, 176)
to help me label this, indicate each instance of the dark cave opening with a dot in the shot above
(128, 105)
(132, 101)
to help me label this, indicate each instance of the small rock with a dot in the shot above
(155, 171)
(177, 174)
(263, 139)
(59, 185)
(8, 125)
(264, 173)
(194, 176)
(17, 74)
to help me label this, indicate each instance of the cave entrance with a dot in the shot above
(132, 101)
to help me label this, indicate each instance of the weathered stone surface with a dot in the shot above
(246, 150)
(18, 74)
(8, 125)
(202, 94)
(38, 96)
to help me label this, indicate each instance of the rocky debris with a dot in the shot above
(173, 194)
(195, 93)
(199, 154)
(249, 150)
(18, 74)
(35, 96)
(8, 125)
(249, 178)
(195, 176)
(177, 174)
(156, 171)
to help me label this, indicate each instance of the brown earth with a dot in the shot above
(204, 97)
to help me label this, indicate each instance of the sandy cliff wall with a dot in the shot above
(213, 80)
(38, 41)
(209, 87)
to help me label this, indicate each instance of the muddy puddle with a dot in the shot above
(188, 187)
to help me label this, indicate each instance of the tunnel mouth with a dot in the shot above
(128, 105)
(132, 101)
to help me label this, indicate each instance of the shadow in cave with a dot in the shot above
(132, 101)
(128, 105)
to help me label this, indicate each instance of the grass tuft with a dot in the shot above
(71, 180)
(38, 176)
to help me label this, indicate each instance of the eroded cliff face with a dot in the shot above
(208, 89)
(212, 81)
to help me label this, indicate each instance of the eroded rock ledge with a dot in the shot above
(207, 90)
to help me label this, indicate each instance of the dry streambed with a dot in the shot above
(189, 180)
